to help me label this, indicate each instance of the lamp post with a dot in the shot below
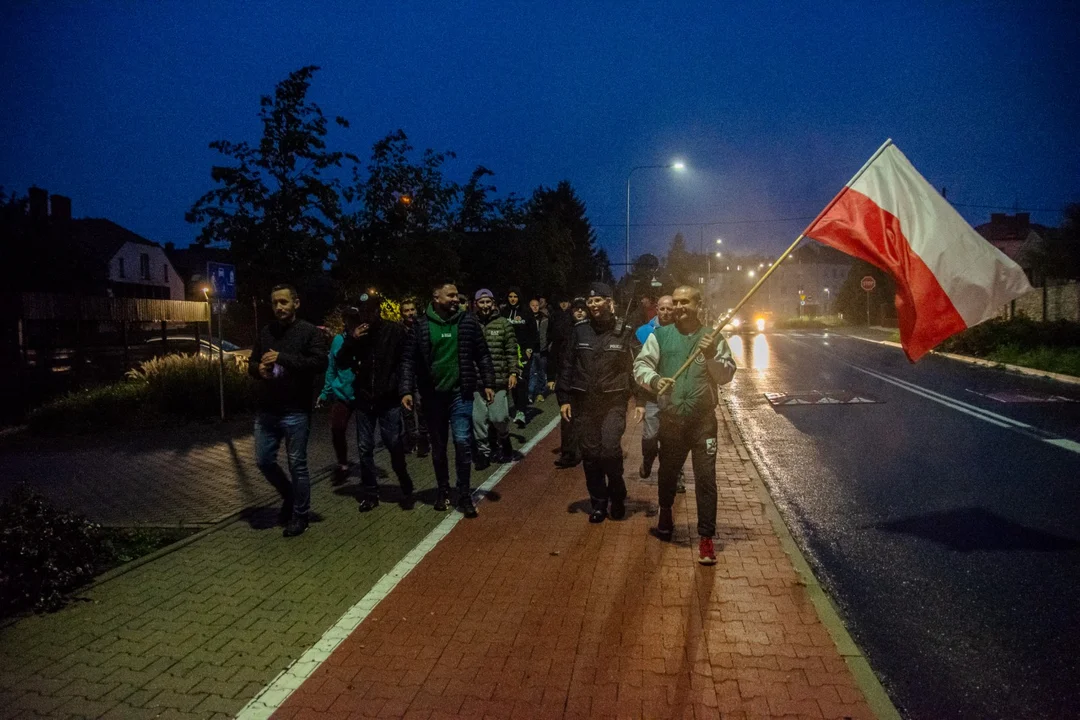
(678, 165)
(209, 324)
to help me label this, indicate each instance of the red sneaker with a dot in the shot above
(706, 554)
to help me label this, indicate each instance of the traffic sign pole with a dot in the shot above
(868, 283)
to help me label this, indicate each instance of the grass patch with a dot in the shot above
(818, 322)
(1056, 360)
(122, 545)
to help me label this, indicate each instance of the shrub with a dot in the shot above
(115, 405)
(166, 388)
(1024, 334)
(45, 553)
(187, 385)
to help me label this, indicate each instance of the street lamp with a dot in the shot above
(677, 165)
(209, 324)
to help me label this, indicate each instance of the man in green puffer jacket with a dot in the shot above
(502, 342)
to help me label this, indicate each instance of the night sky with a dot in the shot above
(772, 106)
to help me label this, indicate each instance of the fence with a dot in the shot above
(47, 306)
(1047, 303)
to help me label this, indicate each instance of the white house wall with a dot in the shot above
(131, 254)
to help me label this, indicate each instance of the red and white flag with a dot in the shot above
(948, 277)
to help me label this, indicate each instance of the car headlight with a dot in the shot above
(761, 324)
(736, 322)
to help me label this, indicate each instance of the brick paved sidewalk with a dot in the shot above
(198, 632)
(533, 612)
(193, 475)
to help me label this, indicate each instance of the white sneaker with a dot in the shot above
(520, 418)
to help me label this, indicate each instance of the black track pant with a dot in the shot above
(694, 436)
(600, 427)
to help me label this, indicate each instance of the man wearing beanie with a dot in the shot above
(502, 343)
(595, 382)
(687, 410)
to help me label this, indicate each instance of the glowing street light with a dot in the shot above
(751, 273)
(675, 165)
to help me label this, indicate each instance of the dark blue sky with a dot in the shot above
(773, 106)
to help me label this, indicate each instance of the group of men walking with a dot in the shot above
(452, 372)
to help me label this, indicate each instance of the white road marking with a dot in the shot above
(266, 703)
(983, 414)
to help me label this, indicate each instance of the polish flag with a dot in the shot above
(948, 277)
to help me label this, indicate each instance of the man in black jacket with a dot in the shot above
(447, 358)
(373, 350)
(562, 325)
(286, 360)
(595, 382)
(525, 329)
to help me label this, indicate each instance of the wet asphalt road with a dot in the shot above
(948, 537)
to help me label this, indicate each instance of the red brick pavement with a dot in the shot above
(531, 612)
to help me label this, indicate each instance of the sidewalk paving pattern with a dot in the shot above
(195, 475)
(527, 611)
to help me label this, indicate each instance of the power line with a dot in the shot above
(756, 221)
(706, 224)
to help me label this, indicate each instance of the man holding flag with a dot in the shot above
(688, 412)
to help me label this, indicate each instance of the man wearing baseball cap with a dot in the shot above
(373, 350)
(502, 342)
(595, 382)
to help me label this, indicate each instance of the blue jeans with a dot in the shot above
(449, 414)
(390, 428)
(538, 375)
(294, 428)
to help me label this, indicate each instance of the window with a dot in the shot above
(120, 268)
(165, 272)
(144, 266)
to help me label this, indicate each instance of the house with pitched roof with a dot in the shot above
(111, 260)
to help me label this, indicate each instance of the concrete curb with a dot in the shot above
(876, 696)
(1058, 377)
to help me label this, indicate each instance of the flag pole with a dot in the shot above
(723, 320)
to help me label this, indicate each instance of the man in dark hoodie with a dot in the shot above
(521, 318)
(373, 350)
(447, 358)
(562, 325)
(286, 359)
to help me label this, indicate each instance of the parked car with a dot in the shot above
(187, 345)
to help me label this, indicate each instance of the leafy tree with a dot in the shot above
(276, 205)
(401, 237)
(1059, 256)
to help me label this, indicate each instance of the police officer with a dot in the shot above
(595, 381)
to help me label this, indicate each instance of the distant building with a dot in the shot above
(128, 265)
(91, 255)
(1019, 238)
(807, 282)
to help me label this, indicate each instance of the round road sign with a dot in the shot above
(868, 283)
